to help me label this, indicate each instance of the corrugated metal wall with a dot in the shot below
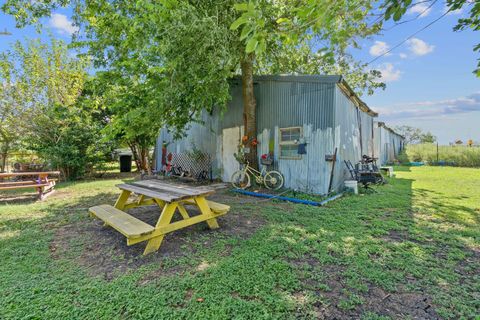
(327, 117)
(388, 144)
(348, 123)
(287, 104)
(309, 105)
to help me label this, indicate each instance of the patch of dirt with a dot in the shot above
(401, 304)
(105, 252)
(397, 305)
(396, 236)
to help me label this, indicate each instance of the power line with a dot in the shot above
(415, 18)
(409, 37)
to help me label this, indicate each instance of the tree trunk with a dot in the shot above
(249, 109)
(3, 164)
(141, 156)
(136, 158)
(146, 168)
(4, 155)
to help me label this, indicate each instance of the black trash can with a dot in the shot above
(125, 163)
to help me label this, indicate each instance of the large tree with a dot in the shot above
(186, 50)
(10, 111)
(414, 135)
(41, 84)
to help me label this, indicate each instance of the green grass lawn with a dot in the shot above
(411, 250)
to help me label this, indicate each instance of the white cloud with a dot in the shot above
(403, 55)
(389, 73)
(419, 47)
(428, 109)
(379, 48)
(421, 9)
(61, 23)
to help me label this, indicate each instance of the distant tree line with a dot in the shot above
(415, 135)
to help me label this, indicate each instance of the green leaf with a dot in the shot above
(245, 32)
(237, 23)
(241, 6)
(262, 47)
(397, 15)
(283, 20)
(251, 45)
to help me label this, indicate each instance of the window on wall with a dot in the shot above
(289, 138)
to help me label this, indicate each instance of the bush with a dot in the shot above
(457, 155)
(69, 139)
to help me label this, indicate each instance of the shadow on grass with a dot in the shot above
(362, 256)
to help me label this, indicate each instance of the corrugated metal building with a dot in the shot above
(388, 143)
(321, 111)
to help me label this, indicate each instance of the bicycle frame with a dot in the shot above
(258, 175)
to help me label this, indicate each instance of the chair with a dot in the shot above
(364, 177)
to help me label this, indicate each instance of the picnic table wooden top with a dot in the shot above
(37, 173)
(167, 192)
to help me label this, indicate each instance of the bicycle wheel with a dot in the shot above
(240, 179)
(273, 180)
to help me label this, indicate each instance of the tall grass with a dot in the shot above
(461, 156)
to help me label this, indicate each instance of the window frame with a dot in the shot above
(282, 143)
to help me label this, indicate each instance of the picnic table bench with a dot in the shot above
(38, 180)
(169, 198)
(388, 170)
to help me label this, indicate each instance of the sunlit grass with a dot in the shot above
(419, 234)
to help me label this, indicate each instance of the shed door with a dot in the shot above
(231, 138)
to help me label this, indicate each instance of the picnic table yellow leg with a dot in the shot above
(160, 203)
(205, 210)
(166, 216)
(122, 199)
(183, 212)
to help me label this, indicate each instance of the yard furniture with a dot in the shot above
(388, 170)
(169, 198)
(363, 174)
(37, 180)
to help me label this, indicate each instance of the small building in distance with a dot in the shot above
(388, 143)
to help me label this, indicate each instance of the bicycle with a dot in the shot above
(271, 179)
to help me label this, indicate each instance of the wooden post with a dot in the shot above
(333, 169)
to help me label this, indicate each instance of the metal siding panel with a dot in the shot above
(232, 116)
(348, 120)
(202, 136)
(328, 118)
(282, 104)
(287, 104)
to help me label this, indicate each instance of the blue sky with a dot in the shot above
(429, 78)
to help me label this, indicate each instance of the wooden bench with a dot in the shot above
(40, 182)
(216, 207)
(124, 223)
(170, 198)
(388, 170)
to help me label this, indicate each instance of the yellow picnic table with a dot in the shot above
(38, 180)
(169, 198)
